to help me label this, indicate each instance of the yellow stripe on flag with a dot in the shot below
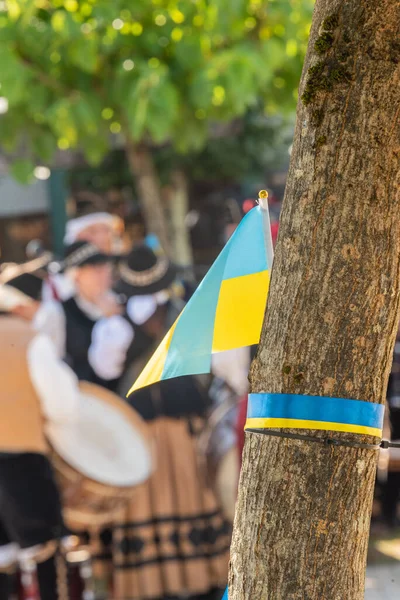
(240, 311)
(154, 368)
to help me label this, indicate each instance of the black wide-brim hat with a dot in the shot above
(142, 272)
(82, 254)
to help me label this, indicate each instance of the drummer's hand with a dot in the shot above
(26, 311)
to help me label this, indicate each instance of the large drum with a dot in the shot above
(100, 459)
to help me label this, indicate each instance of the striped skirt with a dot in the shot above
(171, 539)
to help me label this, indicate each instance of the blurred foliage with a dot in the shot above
(77, 72)
(257, 143)
(257, 146)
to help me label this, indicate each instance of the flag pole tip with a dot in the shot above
(263, 199)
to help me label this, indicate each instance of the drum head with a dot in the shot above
(108, 443)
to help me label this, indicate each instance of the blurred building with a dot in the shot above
(27, 212)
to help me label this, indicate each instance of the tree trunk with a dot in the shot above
(148, 189)
(179, 206)
(303, 512)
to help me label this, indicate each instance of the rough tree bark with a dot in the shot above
(303, 513)
(148, 189)
(179, 206)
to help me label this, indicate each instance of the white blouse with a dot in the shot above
(112, 336)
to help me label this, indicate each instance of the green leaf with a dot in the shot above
(8, 32)
(64, 25)
(209, 60)
(137, 116)
(58, 21)
(22, 170)
(60, 117)
(14, 76)
(39, 100)
(83, 54)
(162, 110)
(43, 144)
(201, 90)
(13, 9)
(15, 90)
(138, 102)
(95, 149)
(86, 112)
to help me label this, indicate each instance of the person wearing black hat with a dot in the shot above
(91, 271)
(69, 323)
(145, 282)
(172, 540)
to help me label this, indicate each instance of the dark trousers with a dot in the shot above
(30, 513)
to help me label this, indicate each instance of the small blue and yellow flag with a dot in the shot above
(225, 312)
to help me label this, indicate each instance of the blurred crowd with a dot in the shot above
(149, 511)
(94, 318)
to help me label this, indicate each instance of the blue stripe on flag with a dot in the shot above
(247, 247)
(315, 408)
(191, 345)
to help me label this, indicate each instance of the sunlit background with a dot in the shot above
(129, 105)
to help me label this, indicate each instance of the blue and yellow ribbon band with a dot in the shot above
(293, 411)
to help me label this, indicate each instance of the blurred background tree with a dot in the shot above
(88, 75)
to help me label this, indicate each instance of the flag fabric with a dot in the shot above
(224, 313)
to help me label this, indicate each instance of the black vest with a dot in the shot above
(140, 347)
(180, 397)
(79, 328)
(141, 344)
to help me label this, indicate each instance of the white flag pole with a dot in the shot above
(269, 248)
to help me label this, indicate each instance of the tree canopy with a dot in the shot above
(76, 73)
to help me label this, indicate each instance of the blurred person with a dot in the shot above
(98, 228)
(391, 489)
(145, 281)
(233, 367)
(37, 388)
(48, 283)
(69, 323)
(92, 222)
(134, 230)
(242, 415)
(91, 271)
(172, 540)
